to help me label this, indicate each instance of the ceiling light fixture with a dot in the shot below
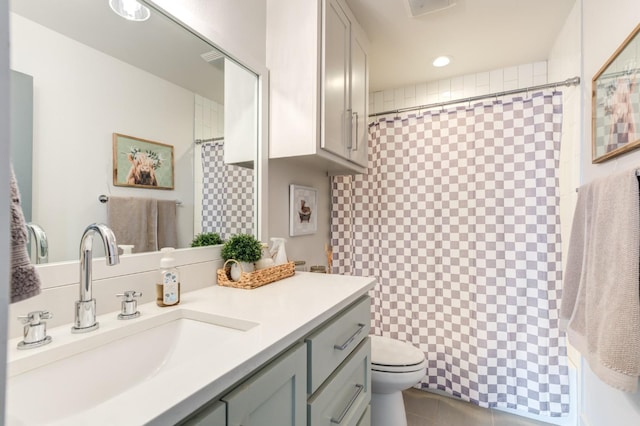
(131, 10)
(441, 61)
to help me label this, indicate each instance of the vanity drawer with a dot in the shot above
(365, 420)
(331, 345)
(343, 399)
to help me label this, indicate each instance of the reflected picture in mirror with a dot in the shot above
(616, 102)
(153, 79)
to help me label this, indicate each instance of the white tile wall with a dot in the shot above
(459, 87)
(209, 118)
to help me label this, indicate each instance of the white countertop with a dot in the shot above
(285, 312)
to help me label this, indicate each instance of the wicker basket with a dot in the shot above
(250, 280)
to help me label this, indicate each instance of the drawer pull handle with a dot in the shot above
(343, 346)
(359, 389)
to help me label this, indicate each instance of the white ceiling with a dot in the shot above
(480, 35)
(157, 45)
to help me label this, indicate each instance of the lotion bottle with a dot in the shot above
(168, 286)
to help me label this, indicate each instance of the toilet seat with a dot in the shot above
(394, 356)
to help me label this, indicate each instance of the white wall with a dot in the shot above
(75, 114)
(564, 61)
(605, 25)
(282, 173)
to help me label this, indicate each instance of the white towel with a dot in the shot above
(601, 297)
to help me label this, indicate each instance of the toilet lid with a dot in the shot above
(394, 353)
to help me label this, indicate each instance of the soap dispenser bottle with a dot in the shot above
(168, 287)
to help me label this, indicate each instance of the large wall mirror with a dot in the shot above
(94, 74)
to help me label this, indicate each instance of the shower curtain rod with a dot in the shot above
(199, 141)
(568, 82)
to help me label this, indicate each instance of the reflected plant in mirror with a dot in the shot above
(153, 79)
(206, 239)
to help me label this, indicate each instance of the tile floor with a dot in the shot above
(430, 409)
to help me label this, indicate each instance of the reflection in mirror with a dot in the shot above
(154, 80)
(616, 103)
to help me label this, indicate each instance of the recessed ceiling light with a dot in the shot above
(441, 61)
(131, 10)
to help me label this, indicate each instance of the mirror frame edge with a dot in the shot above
(4, 199)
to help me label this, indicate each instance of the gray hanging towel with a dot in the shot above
(134, 221)
(167, 227)
(601, 300)
(25, 282)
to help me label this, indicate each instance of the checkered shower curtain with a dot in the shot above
(458, 219)
(227, 194)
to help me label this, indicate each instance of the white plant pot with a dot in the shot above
(236, 269)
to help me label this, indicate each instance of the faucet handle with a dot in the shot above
(129, 295)
(35, 330)
(129, 306)
(33, 318)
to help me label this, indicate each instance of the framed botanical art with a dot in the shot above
(616, 102)
(142, 163)
(303, 210)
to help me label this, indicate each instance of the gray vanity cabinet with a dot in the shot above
(323, 380)
(339, 370)
(273, 396)
(212, 415)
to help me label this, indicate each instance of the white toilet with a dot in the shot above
(395, 366)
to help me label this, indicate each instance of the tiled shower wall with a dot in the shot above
(483, 83)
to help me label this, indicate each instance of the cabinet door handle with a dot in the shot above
(343, 346)
(355, 146)
(349, 123)
(359, 389)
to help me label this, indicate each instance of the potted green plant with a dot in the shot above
(244, 248)
(206, 239)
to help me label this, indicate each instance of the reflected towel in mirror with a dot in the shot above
(25, 282)
(146, 223)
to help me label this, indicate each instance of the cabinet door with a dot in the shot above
(275, 396)
(240, 115)
(359, 101)
(335, 117)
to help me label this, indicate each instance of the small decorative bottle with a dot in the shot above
(168, 287)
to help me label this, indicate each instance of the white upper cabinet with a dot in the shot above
(317, 58)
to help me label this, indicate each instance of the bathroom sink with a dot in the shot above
(79, 375)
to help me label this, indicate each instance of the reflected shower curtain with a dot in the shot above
(227, 194)
(458, 219)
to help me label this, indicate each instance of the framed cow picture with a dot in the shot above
(303, 211)
(142, 163)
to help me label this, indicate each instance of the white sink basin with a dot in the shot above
(79, 375)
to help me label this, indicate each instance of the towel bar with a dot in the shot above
(103, 199)
(637, 175)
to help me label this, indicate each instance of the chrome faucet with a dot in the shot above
(85, 319)
(39, 240)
